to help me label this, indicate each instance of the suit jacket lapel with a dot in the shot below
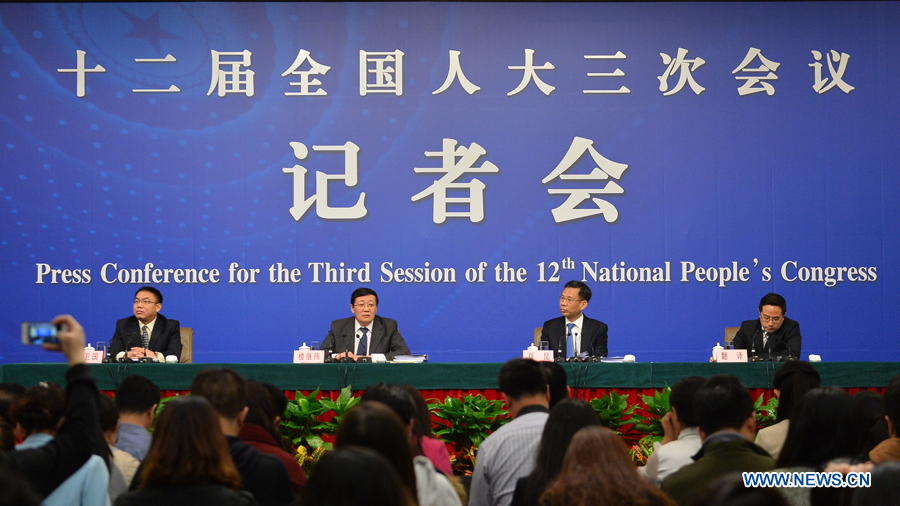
(377, 334)
(157, 330)
(587, 333)
(348, 335)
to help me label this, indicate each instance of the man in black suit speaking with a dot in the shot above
(365, 334)
(147, 334)
(573, 330)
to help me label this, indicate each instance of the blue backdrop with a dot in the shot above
(755, 138)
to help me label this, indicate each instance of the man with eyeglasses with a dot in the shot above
(147, 335)
(773, 335)
(365, 334)
(573, 334)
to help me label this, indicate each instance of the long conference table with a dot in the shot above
(455, 376)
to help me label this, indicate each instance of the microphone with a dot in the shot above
(753, 356)
(560, 355)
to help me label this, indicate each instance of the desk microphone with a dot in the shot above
(593, 357)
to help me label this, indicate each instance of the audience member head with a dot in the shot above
(9, 393)
(729, 490)
(792, 380)
(723, 403)
(188, 447)
(109, 418)
(598, 470)
(279, 400)
(566, 418)
(374, 480)
(40, 410)
(137, 398)
(261, 410)
(872, 404)
(557, 380)
(892, 406)
(522, 383)
(826, 424)
(398, 398)
(395, 397)
(226, 391)
(422, 426)
(681, 399)
(884, 489)
(873, 412)
(375, 425)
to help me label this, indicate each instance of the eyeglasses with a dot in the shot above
(568, 300)
(365, 306)
(144, 302)
(773, 319)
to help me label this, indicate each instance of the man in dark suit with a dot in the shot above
(573, 330)
(365, 334)
(147, 333)
(773, 334)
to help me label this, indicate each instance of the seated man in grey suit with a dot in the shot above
(365, 334)
(573, 334)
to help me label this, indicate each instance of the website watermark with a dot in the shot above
(807, 479)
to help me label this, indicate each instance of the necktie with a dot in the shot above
(145, 337)
(363, 342)
(570, 342)
(765, 339)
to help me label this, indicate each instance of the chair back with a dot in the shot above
(187, 345)
(729, 334)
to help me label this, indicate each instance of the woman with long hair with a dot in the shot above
(434, 449)
(566, 418)
(260, 431)
(188, 462)
(355, 476)
(376, 425)
(598, 470)
(826, 424)
(792, 380)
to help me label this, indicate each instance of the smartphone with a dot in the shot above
(39, 333)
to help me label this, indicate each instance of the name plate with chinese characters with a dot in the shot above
(731, 356)
(538, 355)
(93, 357)
(309, 356)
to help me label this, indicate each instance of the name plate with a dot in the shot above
(731, 356)
(538, 355)
(93, 357)
(309, 356)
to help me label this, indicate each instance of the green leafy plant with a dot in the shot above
(306, 419)
(766, 413)
(464, 423)
(656, 406)
(301, 425)
(339, 409)
(612, 409)
(159, 409)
